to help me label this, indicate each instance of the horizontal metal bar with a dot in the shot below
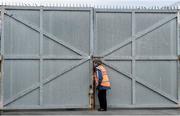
(161, 58)
(113, 10)
(148, 106)
(47, 8)
(54, 76)
(157, 11)
(21, 57)
(142, 58)
(145, 84)
(22, 93)
(97, 7)
(68, 9)
(120, 58)
(48, 57)
(114, 106)
(22, 8)
(24, 107)
(53, 57)
(135, 10)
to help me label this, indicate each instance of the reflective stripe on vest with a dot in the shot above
(105, 80)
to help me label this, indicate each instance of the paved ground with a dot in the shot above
(87, 112)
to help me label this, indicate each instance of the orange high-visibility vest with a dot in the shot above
(105, 80)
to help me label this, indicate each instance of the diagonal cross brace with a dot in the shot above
(48, 35)
(139, 34)
(54, 76)
(37, 85)
(22, 93)
(145, 84)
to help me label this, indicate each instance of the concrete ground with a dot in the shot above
(87, 112)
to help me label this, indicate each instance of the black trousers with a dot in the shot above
(102, 99)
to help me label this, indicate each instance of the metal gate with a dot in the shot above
(140, 50)
(46, 57)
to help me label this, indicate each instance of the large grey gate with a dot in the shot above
(46, 57)
(140, 49)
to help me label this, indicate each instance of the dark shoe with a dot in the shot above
(101, 109)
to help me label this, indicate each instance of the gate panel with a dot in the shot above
(67, 91)
(148, 19)
(14, 70)
(142, 61)
(26, 42)
(21, 69)
(157, 65)
(111, 29)
(67, 41)
(68, 26)
(159, 42)
(46, 58)
(161, 75)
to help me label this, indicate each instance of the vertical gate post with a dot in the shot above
(91, 91)
(41, 57)
(2, 53)
(178, 53)
(133, 56)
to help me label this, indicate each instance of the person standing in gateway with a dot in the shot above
(102, 83)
